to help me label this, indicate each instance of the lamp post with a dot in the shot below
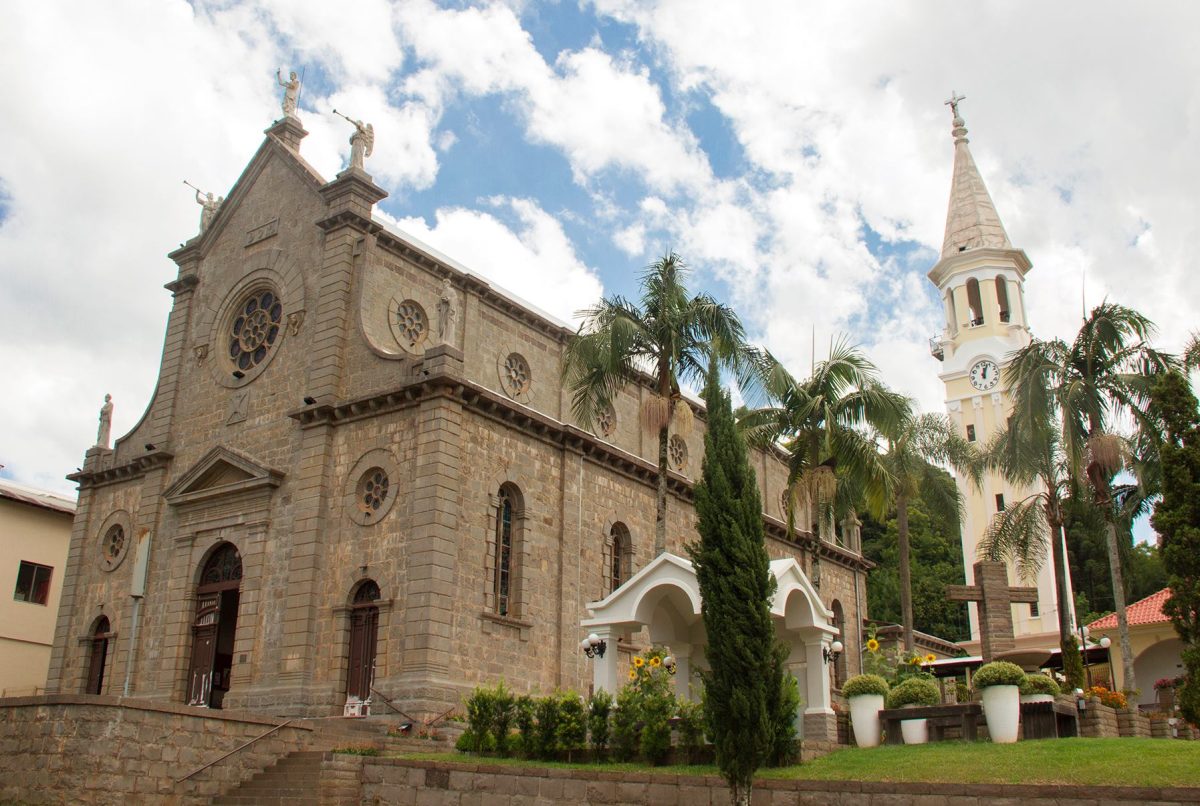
(1084, 632)
(593, 646)
(831, 652)
(1106, 642)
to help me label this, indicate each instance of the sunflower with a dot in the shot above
(872, 645)
(656, 661)
(632, 674)
(639, 662)
(930, 658)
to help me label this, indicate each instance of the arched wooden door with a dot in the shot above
(98, 656)
(214, 626)
(364, 636)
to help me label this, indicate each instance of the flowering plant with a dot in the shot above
(1113, 699)
(1164, 683)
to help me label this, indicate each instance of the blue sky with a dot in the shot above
(796, 154)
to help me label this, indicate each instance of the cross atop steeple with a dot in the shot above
(953, 104)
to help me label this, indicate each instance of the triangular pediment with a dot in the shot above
(221, 472)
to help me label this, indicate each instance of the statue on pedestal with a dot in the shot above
(208, 205)
(291, 92)
(362, 142)
(105, 429)
(447, 308)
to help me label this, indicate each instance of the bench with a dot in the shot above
(964, 716)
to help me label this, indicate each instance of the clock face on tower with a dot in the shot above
(984, 375)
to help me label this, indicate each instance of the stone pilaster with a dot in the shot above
(59, 677)
(288, 131)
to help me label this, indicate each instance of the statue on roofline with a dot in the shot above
(362, 142)
(291, 92)
(105, 429)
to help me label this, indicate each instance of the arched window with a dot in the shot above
(98, 656)
(1002, 298)
(974, 303)
(619, 556)
(504, 553)
(839, 665)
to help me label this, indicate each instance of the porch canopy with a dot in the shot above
(664, 597)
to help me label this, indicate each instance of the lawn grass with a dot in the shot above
(1097, 762)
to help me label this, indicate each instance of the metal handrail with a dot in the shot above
(393, 705)
(231, 752)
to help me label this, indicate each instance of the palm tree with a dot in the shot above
(1191, 352)
(1102, 376)
(920, 440)
(670, 336)
(822, 421)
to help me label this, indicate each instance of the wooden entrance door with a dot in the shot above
(213, 628)
(98, 657)
(364, 634)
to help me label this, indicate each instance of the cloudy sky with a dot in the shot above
(797, 155)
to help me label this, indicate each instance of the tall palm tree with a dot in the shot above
(920, 440)
(1090, 384)
(669, 336)
(824, 422)
(1191, 352)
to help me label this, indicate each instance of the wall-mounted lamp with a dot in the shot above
(669, 664)
(831, 652)
(593, 646)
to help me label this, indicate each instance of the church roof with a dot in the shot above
(1145, 611)
(972, 220)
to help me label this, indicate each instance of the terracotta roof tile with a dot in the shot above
(1146, 611)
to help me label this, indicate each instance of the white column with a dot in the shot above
(604, 670)
(683, 673)
(818, 695)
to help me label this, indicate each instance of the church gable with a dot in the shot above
(221, 472)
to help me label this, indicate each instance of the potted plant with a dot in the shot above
(1164, 689)
(912, 693)
(865, 693)
(999, 683)
(1039, 688)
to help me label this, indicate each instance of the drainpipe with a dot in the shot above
(137, 590)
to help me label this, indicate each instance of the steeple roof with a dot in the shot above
(972, 220)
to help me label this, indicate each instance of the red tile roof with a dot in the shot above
(1147, 611)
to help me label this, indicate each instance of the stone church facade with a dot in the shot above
(327, 500)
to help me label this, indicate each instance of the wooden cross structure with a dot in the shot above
(995, 598)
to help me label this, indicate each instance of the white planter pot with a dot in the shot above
(864, 715)
(915, 731)
(1002, 708)
(1037, 698)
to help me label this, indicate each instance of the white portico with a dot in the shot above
(664, 597)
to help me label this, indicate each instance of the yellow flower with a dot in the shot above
(632, 674)
(930, 658)
(656, 661)
(872, 645)
(638, 662)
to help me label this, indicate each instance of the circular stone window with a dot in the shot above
(253, 330)
(115, 535)
(677, 452)
(515, 376)
(410, 324)
(606, 421)
(370, 487)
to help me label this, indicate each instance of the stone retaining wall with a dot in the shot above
(1098, 721)
(1131, 722)
(432, 783)
(81, 749)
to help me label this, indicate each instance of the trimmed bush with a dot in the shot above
(481, 715)
(526, 724)
(1039, 684)
(998, 673)
(503, 711)
(865, 684)
(626, 732)
(548, 717)
(914, 691)
(572, 725)
(691, 728)
(599, 708)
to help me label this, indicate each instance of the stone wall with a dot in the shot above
(1098, 721)
(1130, 722)
(395, 781)
(103, 750)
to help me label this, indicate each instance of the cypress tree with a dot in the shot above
(736, 585)
(1177, 520)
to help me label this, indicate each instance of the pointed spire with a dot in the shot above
(972, 220)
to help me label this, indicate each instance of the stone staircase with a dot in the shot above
(320, 777)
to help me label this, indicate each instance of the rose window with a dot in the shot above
(114, 543)
(606, 421)
(677, 452)
(412, 322)
(516, 374)
(372, 490)
(255, 329)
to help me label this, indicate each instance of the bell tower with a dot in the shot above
(981, 278)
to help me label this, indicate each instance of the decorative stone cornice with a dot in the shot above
(185, 282)
(134, 468)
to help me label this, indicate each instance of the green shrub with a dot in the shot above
(626, 735)
(527, 724)
(998, 673)
(914, 691)
(784, 747)
(546, 735)
(358, 751)
(599, 708)
(691, 728)
(503, 711)
(657, 708)
(481, 715)
(1039, 684)
(865, 684)
(962, 691)
(466, 743)
(572, 724)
